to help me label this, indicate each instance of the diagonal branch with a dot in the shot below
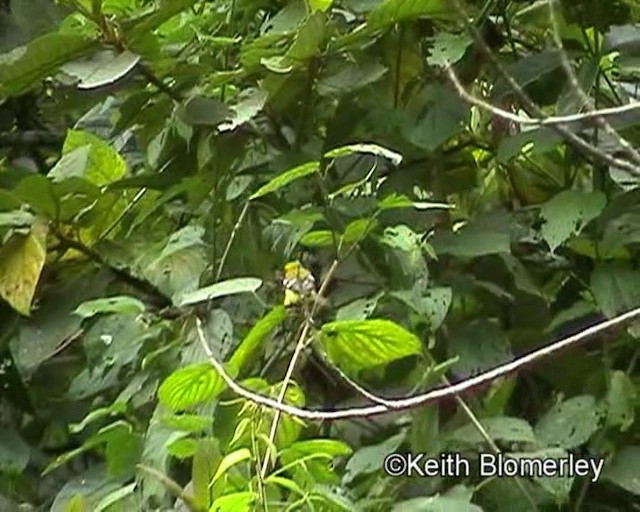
(421, 399)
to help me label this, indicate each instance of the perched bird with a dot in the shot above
(298, 282)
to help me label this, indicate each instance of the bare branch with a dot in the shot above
(422, 399)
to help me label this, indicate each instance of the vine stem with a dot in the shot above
(232, 237)
(300, 345)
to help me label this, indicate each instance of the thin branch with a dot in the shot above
(532, 109)
(300, 345)
(422, 398)
(232, 237)
(145, 287)
(573, 81)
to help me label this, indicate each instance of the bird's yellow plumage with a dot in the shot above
(298, 283)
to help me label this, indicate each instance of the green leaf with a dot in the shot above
(359, 309)
(319, 238)
(117, 304)
(187, 422)
(183, 448)
(369, 459)
(448, 48)
(394, 200)
(569, 424)
(16, 219)
(14, 452)
(355, 345)
(252, 342)
(237, 501)
(435, 504)
(480, 344)
(202, 111)
(319, 5)
(77, 504)
(110, 499)
(21, 260)
(189, 386)
(89, 157)
(620, 399)
(567, 213)
(389, 12)
(371, 149)
(230, 460)
(624, 469)
(23, 68)
(221, 289)
(616, 289)
(101, 69)
(432, 305)
(206, 460)
(167, 10)
(285, 178)
(358, 229)
(504, 429)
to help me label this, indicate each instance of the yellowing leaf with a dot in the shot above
(21, 261)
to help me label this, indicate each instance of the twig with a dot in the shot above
(421, 399)
(232, 237)
(300, 345)
(573, 80)
(532, 109)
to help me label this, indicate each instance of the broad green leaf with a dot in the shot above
(448, 48)
(88, 157)
(616, 289)
(114, 497)
(480, 344)
(319, 5)
(368, 459)
(237, 501)
(435, 504)
(184, 448)
(389, 12)
(471, 243)
(221, 289)
(359, 309)
(202, 111)
(394, 200)
(445, 117)
(504, 429)
(252, 342)
(206, 460)
(354, 345)
(620, 400)
(349, 76)
(187, 422)
(319, 238)
(624, 469)
(567, 213)
(21, 260)
(189, 386)
(14, 452)
(357, 230)
(166, 10)
(103, 68)
(117, 304)
(432, 305)
(23, 68)
(77, 504)
(285, 178)
(16, 219)
(230, 460)
(371, 149)
(251, 103)
(569, 424)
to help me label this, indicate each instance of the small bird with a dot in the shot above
(298, 282)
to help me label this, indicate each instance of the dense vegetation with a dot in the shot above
(454, 184)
